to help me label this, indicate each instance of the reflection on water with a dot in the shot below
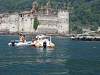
(32, 61)
(47, 50)
(43, 54)
(36, 55)
(67, 58)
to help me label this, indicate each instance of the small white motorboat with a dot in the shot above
(18, 43)
(43, 41)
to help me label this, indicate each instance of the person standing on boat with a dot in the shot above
(44, 44)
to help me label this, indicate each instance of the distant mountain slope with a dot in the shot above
(15, 5)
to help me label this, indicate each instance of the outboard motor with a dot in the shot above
(13, 43)
(44, 44)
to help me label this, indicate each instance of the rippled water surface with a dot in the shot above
(67, 58)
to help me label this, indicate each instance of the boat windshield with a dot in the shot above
(16, 41)
(43, 38)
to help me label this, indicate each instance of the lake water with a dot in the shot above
(67, 58)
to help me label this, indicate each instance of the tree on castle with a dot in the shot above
(36, 23)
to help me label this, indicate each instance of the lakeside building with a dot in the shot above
(48, 21)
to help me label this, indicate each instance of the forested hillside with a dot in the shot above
(83, 13)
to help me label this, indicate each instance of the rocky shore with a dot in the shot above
(86, 37)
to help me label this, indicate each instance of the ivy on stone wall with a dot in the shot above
(35, 23)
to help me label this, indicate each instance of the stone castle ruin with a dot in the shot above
(49, 22)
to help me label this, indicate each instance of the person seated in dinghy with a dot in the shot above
(22, 38)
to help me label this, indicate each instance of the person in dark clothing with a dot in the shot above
(13, 43)
(44, 44)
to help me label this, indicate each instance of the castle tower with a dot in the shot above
(63, 22)
(34, 7)
(48, 7)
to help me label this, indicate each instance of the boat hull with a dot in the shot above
(20, 44)
(39, 44)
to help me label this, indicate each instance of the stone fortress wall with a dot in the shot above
(23, 22)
